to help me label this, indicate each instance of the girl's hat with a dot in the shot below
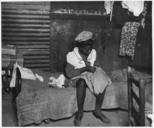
(84, 36)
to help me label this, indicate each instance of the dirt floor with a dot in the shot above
(118, 117)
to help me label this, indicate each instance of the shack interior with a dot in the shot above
(40, 34)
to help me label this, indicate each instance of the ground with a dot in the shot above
(118, 117)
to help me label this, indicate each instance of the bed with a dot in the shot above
(36, 101)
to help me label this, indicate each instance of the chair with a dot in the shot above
(136, 101)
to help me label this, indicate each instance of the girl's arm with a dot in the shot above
(72, 72)
(97, 62)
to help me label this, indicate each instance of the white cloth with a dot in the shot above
(57, 82)
(76, 60)
(40, 78)
(25, 74)
(136, 7)
(84, 36)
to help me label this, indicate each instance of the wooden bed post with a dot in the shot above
(142, 102)
(17, 88)
(129, 82)
(129, 86)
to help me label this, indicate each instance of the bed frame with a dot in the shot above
(18, 85)
(136, 115)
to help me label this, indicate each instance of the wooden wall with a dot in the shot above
(143, 53)
(27, 25)
(45, 38)
(64, 31)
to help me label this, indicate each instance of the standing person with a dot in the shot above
(82, 65)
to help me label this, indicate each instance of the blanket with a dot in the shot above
(37, 102)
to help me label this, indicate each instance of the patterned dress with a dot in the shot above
(128, 39)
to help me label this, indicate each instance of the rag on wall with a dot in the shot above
(128, 39)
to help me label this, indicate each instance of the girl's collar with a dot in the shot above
(76, 51)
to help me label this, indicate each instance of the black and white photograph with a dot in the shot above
(76, 63)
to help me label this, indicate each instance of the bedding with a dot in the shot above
(37, 101)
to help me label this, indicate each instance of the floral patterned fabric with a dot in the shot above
(128, 39)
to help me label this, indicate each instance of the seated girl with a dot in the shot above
(82, 66)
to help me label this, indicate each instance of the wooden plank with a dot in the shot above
(136, 117)
(134, 112)
(129, 83)
(28, 43)
(98, 18)
(132, 121)
(44, 68)
(25, 38)
(22, 23)
(26, 20)
(42, 3)
(142, 102)
(23, 34)
(27, 5)
(14, 16)
(25, 25)
(37, 65)
(32, 12)
(36, 57)
(32, 30)
(28, 13)
(43, 61)
(40, 68)
(34, 52)
(33, 47)
(136, 82)
(135, 97)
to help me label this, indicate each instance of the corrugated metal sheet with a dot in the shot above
(27, 25)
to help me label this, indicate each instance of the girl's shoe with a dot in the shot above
(77, 119)
(101, 116)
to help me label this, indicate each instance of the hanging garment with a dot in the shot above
(108, 5)
(136, 7)
(128, 39)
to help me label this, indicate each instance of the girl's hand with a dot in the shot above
(91, 69)
(87, 63)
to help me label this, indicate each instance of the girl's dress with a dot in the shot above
(96, 81)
